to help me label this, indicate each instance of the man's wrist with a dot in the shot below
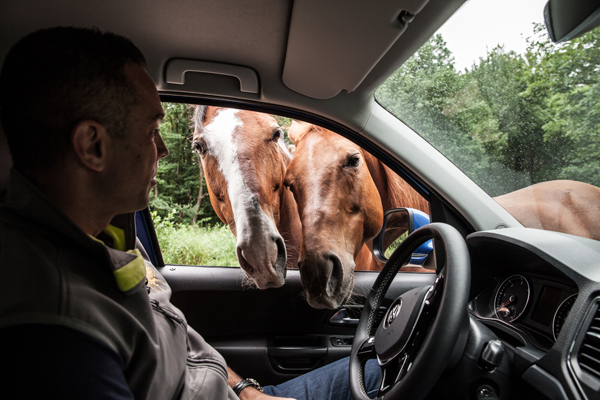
(243, 384)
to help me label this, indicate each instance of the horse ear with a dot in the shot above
(297, 130)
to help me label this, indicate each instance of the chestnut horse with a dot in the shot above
(338, 217)
(245, 160)
(341, 191)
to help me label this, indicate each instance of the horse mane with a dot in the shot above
(198, 118)
(402, 194)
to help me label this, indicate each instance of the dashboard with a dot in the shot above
(538, 292)
(532, 306)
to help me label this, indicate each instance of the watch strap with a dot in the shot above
(243, 384)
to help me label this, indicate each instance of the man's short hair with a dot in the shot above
(54, 78)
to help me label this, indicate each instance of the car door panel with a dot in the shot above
(271, 335)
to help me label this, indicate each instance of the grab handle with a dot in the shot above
(176, 69)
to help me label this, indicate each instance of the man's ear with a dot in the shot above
(90, 141)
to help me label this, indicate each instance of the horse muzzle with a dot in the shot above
(324, 281)
(265, 267)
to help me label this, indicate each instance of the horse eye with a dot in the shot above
(199, 147)
(276, 187)
(276, 135)
(352, 161)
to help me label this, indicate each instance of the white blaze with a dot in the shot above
(254, 229)
(219, 137)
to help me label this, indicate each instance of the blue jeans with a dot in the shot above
(330, 382)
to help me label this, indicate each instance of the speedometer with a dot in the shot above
(561, 314)
(512, 298)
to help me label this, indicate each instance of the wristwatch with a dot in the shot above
(243, 384)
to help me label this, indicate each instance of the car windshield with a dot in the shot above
(500, 100)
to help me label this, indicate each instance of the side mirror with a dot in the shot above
(398, 223)
(568, 19)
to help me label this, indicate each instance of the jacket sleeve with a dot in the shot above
(206, 374)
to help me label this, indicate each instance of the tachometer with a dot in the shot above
(512, 298)
(561, 314)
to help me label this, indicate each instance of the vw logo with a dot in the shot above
(393, 313)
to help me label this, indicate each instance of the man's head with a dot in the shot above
(54, 78)
(82, 115)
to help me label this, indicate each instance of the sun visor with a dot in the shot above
(334, 44)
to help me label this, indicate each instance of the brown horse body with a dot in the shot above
(245, 161)
(561, 206)
(341, 191)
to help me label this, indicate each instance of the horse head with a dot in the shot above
(244, 159)
(340, 209)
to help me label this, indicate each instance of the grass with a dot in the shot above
(193, 245)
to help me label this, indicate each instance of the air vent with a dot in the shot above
(589, 352)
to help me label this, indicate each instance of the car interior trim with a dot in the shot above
(324, 69)
(545, 383)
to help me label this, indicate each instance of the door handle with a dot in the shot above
(296, 359)
(343, 318)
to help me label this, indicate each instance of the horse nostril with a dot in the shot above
(336, 277)
(244, 264)
(281, 261)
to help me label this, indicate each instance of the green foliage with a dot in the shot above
(525, 118)
(192, 245)
(178, 175)
(447, 109)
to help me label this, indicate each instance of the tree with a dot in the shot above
(517, 98)
(446, 108)
(574, 109)
(181, 186)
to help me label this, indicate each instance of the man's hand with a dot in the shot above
(251, 393)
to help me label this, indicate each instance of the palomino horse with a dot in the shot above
(341, 191)
(245, 160)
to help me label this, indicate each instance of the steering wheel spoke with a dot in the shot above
(367, 350)
(397, 368)
(393, 372)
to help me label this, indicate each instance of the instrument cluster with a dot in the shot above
(533, 306)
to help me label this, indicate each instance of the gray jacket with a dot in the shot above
(53, 273)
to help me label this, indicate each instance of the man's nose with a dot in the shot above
(161, 148)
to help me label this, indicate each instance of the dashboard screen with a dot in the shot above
(546, 305)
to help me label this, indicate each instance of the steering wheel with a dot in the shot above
(424, 330)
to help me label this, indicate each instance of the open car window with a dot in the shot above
(234, 179)
(521, 113)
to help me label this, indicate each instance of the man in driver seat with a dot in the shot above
(78, 317)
